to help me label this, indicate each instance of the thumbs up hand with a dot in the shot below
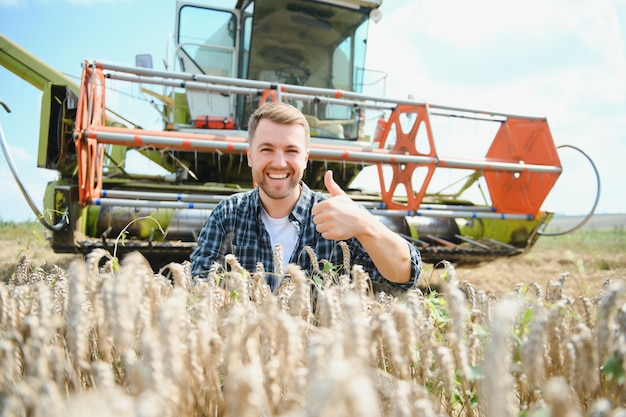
(333, 188)
(338, 217)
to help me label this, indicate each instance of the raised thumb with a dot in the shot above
(332, 187)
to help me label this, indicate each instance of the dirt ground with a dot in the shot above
(584, 274)
(586, 264)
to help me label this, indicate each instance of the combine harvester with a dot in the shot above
(233, 60)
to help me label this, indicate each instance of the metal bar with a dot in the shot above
(485, 112)
(194, 201)
(473, 242)
(504, 245)
(332, 100)
(216, 198)
(454, 214)
(380, 205)
(457, 208)
(213, 79)
(315, 95)
(473, 215)
(487, 165)
(164, 139)
(442, 241)
(288, 88)
(192, 85)
(123, 202)
(183, 197)
(479, 116)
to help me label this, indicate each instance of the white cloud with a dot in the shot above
(13, 204)
(470, 39)
(21, 156)
(92, 2)
(25, 3)
(10, 3)
(468, 23)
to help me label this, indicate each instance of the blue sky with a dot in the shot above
(561, 59)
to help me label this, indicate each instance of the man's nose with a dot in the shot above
(280, 159)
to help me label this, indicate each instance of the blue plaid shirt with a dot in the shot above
(235, 227)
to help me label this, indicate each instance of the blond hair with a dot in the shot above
(278, 112)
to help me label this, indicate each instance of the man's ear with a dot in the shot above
(249, 155)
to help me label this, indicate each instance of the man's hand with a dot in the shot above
(338, 218)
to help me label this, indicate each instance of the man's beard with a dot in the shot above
(290, 184)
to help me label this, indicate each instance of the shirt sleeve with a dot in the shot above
(212, 243)
(361, 257)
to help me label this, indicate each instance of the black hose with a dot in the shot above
(5, 149)
(595, 203)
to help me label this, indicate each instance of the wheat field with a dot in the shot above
(106, 340)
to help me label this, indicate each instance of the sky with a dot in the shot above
(560, 59)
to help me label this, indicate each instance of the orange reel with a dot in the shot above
(418, 118)
(523, 141)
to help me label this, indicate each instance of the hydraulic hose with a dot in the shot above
(595, 203)
(5, 149)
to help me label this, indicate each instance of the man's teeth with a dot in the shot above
(277, 176)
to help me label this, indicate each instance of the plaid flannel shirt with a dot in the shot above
(235, 227)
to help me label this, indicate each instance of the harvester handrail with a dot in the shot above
(230, 89)
(357, 99)
(192, 85)
(185, 76)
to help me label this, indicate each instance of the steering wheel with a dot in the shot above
(293, 75)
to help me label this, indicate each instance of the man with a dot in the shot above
(282, 209)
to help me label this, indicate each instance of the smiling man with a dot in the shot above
(283, 210)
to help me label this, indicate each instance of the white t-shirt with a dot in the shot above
(281, 231)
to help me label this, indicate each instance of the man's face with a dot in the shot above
(278, 156)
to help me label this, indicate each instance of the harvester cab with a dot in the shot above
(275, 41)
(231, 59)
(265, 44)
